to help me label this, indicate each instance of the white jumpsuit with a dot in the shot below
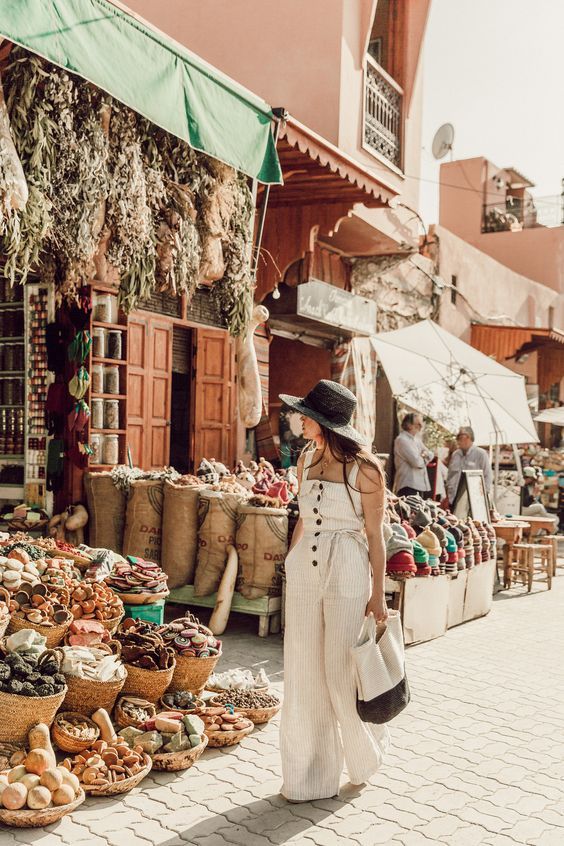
(327, 587)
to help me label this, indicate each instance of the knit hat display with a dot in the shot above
(401, 565)
(398, 541)
(411, 534)
(435, 565)
(429, 540)
(439, 532)
(421, 518)
(421, 557)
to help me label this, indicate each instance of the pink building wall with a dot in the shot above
(537, 253)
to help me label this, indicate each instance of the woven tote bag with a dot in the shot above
(379, 662)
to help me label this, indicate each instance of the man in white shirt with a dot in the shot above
(410, 458)
(467, 457)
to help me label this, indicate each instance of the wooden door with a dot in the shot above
(160, 377)
(137, 388)
(214, 412)
(149, 391)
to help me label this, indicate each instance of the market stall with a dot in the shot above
(90, 699)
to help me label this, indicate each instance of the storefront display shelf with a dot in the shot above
(12, 372)
(11, 306)
(12, 340)
(11, 458)
(11, 491)
(267, 608)
(109, 431)
(108, 396)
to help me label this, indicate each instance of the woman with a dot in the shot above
(337, 541)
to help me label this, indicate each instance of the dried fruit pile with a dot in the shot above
(137, 576)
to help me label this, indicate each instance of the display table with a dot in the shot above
(267, 608)
(431, 605)
(532, 525)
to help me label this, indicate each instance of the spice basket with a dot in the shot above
(258, 716)
(53, 634)
(112, 624)
(86, 695)
(172, 762)
(123, 721)
(18, 714)
(184, 711)
(148, 684)
(192, 673)
(38, 819)
(217, 739)
(120, 786)
(5, 618)
(68, 742)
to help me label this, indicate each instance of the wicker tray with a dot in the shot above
(112, 624)
(123, 721)
(141, 598)
(38, 819)
(172, 762)
(147, 684)
(258, 716)
(18, 714)
(120, 786)
(217, 739)
(67, 742)
(184, 711)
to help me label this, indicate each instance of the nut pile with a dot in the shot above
(38, 605)
(144, 649)
(106, 763)
(17, 569)
(95, 601)
(246, 699)
(27, 674)
(138, 576)
(222, 718)
(77, 726)
(190, 639)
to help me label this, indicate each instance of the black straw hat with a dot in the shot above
(330, 404)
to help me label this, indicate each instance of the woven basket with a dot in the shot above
(172, 762)
(258, 716)
(53, 634)
(68, 742)
(217, 739)
(192, 673)
(120, 786)
(112, 624)
(147, 684)
(123, 721)
(85, 695)
(18, 714)
(5, 598)
(38, 819)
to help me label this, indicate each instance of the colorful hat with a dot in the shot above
(439, 532)
(410, 531)
(421, 557)
(401, 564)
(429, 540)
(451, 545)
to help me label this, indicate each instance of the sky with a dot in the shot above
(494, 69)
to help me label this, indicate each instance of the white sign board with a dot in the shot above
(327, 304)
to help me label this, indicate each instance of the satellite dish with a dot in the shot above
(443, 140)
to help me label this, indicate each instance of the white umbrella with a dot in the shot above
(454, 384)
(551, 415)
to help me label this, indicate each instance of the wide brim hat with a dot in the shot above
(329, 404)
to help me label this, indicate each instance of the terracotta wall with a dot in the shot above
(294, 369)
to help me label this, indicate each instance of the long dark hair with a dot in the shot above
(345, 450)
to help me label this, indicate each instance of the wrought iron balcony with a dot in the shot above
(518, 213)
(383, 102)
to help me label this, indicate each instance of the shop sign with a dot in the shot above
(322, 302)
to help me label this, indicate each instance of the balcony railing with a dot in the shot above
(383, 100)
(517, 213)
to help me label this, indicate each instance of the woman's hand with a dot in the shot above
(377, 606)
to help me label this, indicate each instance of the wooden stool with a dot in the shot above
(531, 558)
(519, 559)
(553, 540)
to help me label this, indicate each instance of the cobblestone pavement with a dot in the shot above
(477, 756)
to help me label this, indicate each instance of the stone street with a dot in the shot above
(476, 759)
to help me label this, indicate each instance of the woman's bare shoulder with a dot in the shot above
(370, 477)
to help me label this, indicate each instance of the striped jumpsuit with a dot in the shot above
(327, 587)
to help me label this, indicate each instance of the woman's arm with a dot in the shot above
(299, 527)
(373, 496)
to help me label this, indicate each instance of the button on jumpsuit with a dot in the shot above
(328, 584)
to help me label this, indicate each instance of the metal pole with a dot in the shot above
(280, 115)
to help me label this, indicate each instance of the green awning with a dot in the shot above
(151, 74)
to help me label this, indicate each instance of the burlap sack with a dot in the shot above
(262, 543)
(143, 520)
(106, 510)
(217, 516)
(180, 533)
